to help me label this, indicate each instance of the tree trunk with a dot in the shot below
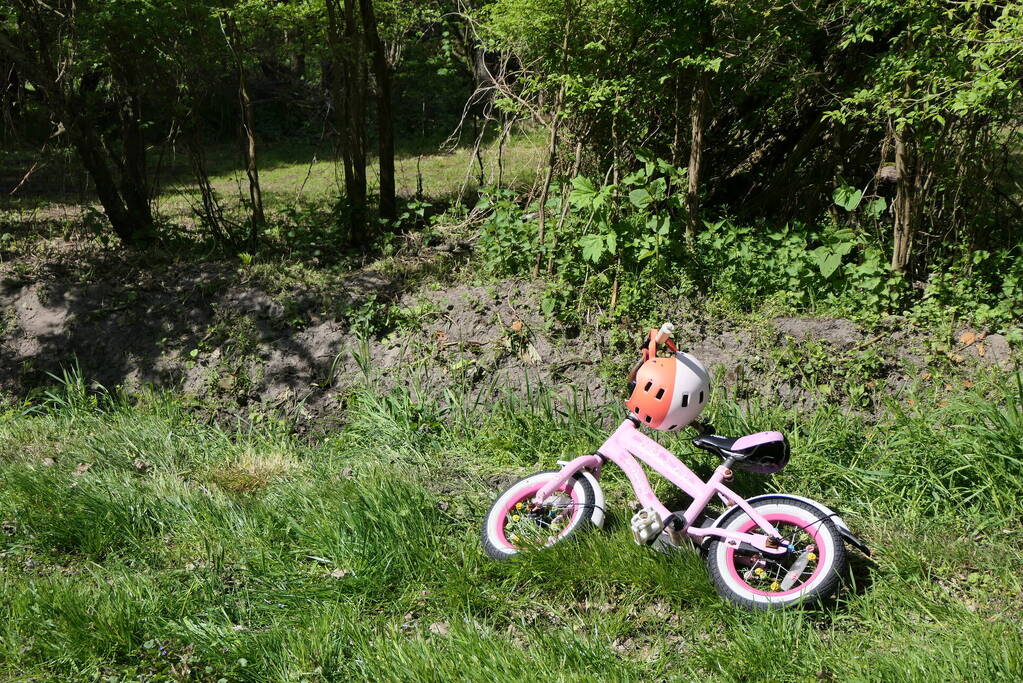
(355, 128)
(385, 118)
(566, 192)
(347, 85)
(134, 180)
(902, 234)
(91, 152)
(552, 150)
(130, 218)
(545, 188)
(251, 164)
(698, 106)
(334, 81)
(247, 131)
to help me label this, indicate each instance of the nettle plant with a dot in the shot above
(507, 236)
(982, 288)
(630, 222)
(805, 267)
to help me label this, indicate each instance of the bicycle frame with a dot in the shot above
(627, 444)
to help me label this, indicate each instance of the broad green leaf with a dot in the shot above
(843, 248)
(876, 207)
(593, 247)
(640, 198)
(637, 177)
(847, 197)
(658, 188)
(830, 264)
(583, 192)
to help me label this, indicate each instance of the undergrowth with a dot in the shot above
(620, 251)
(141, 541)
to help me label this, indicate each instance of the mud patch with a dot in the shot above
(208, 330)
(836, 332)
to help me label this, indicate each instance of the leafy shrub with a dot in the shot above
(804, 266)
(506, 243)
(980, 287)
(620, 242)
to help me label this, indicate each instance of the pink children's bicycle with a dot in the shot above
(768, 551)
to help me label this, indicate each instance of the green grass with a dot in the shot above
(141, 541)
(291, 173)
(294, 169)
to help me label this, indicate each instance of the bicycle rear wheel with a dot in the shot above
(808, 574)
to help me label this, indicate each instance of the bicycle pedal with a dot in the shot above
(646, 526)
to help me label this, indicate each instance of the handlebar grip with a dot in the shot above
(649, 347)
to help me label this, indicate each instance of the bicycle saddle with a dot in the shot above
(763, 452)
(715, 443)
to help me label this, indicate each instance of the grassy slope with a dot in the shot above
(187, 549)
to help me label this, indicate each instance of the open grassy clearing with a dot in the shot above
(291, 173)
(140, 541)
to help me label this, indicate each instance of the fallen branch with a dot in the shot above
(28, 174)
(863, 345)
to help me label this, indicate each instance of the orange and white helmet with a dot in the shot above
(669, 392)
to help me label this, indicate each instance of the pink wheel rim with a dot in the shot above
(528, 492)
(811, 529)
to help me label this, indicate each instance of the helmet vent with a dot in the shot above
(701, 397)
(685, 400)
(648, 418)
(660, 394)
(648, 385)
(672, 427)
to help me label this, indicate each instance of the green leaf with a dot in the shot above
(640, 198)
(876, 207)
(847, 197)
(643, 154)
(612, 242)
(658, 188)
(637, 177)
(593, 247)
(829, 264)
(843, 248)
(583, 192)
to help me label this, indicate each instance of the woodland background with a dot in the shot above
(290, 289)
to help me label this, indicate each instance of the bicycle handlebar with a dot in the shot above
(649, 347)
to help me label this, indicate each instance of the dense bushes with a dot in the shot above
(776, 106)
(617, 243)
